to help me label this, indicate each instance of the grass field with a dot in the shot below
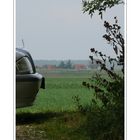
(58, 95)
(54, 115)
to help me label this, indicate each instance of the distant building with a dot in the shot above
(51, 67)
(80, 66)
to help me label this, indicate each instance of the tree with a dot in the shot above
(61, 65)
(91, 6)
(68, 64)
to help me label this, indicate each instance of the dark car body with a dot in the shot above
(28, 81)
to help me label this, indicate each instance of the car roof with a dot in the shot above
(21, 53)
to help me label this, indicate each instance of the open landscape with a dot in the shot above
(84, 77)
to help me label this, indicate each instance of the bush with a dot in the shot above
(105, 115)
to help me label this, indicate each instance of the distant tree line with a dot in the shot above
(66, 65)
(71, 65)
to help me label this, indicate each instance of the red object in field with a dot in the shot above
(79, 66)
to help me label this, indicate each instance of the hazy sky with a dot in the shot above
(58, 29)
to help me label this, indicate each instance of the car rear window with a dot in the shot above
(24, 66)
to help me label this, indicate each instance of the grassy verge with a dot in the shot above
(51, 126)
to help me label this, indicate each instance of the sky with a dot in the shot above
(58, 29)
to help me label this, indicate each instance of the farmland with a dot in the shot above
(54, 114)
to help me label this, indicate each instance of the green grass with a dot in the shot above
(51, 126)
(58, 95)
(54, 115)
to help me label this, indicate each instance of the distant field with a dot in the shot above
(70, 73)
(65, 73)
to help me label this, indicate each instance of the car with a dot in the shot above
(28, 81)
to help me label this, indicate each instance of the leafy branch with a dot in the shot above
(91, 6)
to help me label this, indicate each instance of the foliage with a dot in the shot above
(106, 111)
(114, 38)
(68, 64)
(91, 6)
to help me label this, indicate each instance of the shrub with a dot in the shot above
(105, 115)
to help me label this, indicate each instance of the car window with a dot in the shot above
(24, 66)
